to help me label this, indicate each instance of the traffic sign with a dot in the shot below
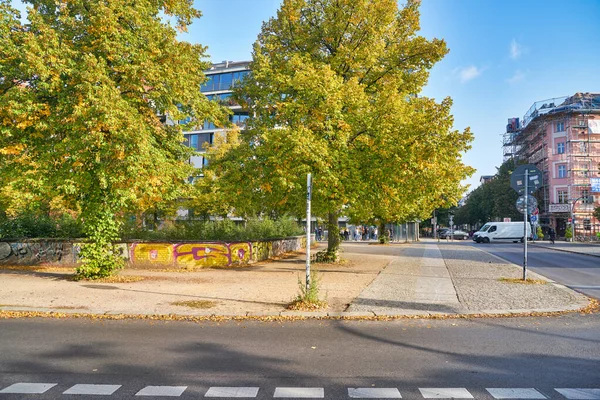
(533, 219)
(517, 179)
(531, 204)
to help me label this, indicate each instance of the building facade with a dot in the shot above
(222, 79)
(561, 137)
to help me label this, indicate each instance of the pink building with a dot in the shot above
(562, 138)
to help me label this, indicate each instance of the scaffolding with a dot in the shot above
(535, 139)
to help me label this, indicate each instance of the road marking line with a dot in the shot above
(445, 393)
(298, 392)
(28, 388)
(174, 391)
(515, 393)
(374, 393)
(104, 390)
(580, 394)
(229, 391)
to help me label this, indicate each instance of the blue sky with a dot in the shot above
(504, 56)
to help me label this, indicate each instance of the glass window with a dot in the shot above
(560, 148)
(207, 86)
(194, 142)
(562, 196)
(560, 127)
(484, 228)
(562, 171)
(204, 138)
(585, 194)
(493, 229)
(587, 224)
(239, 119)
(208, 125)
(226, 80)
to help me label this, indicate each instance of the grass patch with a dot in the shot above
(528, 281)
(308, 298)
(201, 304)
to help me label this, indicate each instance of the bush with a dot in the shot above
(32, 225)
(220, 230)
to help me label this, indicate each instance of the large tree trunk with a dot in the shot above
(333, 241)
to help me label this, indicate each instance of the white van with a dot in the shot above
(501, 231)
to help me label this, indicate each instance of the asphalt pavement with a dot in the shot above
(466, 358)
(574, 265)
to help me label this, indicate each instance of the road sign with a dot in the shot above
(533, 219)
(536, 211)
(517, 178)
(531, 204)
(507, 219)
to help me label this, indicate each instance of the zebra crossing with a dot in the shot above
(304, 392)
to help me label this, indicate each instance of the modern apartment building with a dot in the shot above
(222, 78)
(561, 136)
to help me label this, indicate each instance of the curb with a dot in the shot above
(18, 312)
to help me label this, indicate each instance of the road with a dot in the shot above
(321, 359)
(577, 271)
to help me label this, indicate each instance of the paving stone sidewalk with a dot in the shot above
(409, 279)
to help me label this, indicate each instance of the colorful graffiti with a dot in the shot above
(212, 254)
(153, 253)
(194, 255)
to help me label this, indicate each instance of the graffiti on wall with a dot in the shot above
(201, 254)
(42, 252)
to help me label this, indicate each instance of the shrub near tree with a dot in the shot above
(82, 87)
(332, 92)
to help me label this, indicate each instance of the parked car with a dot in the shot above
(456, 234)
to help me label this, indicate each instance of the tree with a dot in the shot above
(82, 88)
(333, 92)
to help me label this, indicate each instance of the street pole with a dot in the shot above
(573, 220)
(308, 198)
(526, 212)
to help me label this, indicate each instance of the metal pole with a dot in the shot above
(526, 213)
(308, 198)
(573, 220)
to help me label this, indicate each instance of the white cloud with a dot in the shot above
(515, 50)
(518, 76)
(468, 73)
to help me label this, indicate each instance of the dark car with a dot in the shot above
(456, 234)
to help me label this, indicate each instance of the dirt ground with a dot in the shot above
(259, 288)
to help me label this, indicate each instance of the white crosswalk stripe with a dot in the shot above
(299, 392)
(172, 391)
(515, 393)
(374, 393)
(445, 393)
(230, 391)
(101, 390)
(580, 394)
(28, 388)
(303, 392)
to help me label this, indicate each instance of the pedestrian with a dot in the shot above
(346, 234)
(320, 233)
(552, 234)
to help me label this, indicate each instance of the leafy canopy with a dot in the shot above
(82, 87)
(333, 92)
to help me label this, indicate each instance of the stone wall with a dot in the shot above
(150, 254)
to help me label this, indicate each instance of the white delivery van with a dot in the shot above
(501, 231)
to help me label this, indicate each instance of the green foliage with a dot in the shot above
(100, 257)
(569, 232)
(308, 298)
(225, 230)
(33, 225)
(597, 213)
(333, 92)
(539, 233)
(83, 86)
(492, 200)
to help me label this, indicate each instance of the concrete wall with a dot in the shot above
(153, 255)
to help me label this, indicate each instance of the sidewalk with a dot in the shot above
(591, 249)
(408, 279)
